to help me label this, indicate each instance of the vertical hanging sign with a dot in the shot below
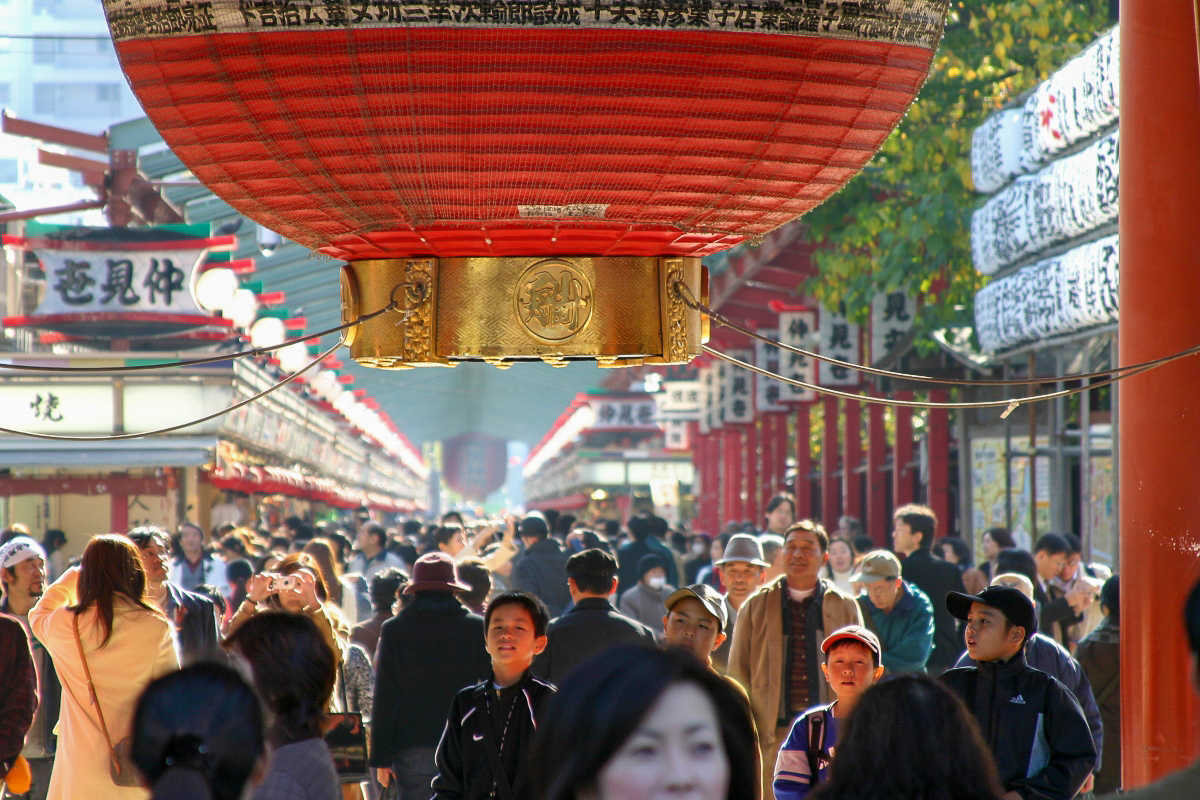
(797, 329)
(739, 397)
(767, 391)
(838, 338)
(892, 316)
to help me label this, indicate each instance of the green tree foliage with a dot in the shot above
(905, 220)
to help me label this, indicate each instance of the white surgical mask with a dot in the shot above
(699, 548)
(657, 582)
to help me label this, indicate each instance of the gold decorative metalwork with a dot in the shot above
(553, 300)
(620, 311)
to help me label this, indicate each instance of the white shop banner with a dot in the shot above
(838, 338)
(798, 329)
(767, 391)
(90, 281)
(679, 400)
(738, 401)
(892, 316)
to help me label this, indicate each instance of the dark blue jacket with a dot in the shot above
(1032, 724)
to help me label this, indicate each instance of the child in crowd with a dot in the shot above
(484, 748)
(852, 665)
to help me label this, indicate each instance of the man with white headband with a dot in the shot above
(23, 577)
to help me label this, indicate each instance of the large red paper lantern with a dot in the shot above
(473, 140)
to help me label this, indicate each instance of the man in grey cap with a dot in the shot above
(741, 569)
(899, 612)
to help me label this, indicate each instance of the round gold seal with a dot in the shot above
(553, 300)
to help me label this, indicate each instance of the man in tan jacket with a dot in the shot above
(777, 640)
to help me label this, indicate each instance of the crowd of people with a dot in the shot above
(543, 658)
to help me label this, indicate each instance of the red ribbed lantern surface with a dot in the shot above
(488, 128)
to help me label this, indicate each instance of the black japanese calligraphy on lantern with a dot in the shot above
(46, 408)
(73, 282)
(164, 279)
(119, 283)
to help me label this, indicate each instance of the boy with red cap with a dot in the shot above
(852, 665)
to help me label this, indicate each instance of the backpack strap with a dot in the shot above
(817, 725)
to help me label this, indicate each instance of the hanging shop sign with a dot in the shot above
(676, 435)
(108, 408)
(679, 400)
(739, 389)
(767, 391)
(639, 413)
(111, 282)
(1077, 102)
(720, 390)
(797, 329)
(838, 338)
(892, 316)
(1067, 199)
(1061, 295)
(705, 377)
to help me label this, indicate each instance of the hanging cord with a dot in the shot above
(257, 351)
(278, 384)
(685, 294)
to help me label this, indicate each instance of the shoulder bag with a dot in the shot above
(120, 762)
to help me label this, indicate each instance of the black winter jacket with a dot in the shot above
(1032, 724)
(477, 716)
(591, 627)
(427, 652)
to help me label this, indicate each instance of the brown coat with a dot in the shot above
(756, 659)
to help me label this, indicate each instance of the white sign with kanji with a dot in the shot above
(797, 329)
(625, 413)
(679, 400)
(892, 315)
(90, 281)
(676, 436)
(838, 338)
(739, 389)
(767, 391)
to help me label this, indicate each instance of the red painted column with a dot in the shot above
(938, 445)
(831, 506)
(766, 476)
(877, 524)
(803, 450)
(852, 459)
(1159, 447)
(731, 477)
(782, 443)
(902, 453)
(713, 449)
(753, 467)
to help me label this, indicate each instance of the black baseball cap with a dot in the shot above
(1012, 603)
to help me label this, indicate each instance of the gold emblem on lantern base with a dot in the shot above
(618, 311)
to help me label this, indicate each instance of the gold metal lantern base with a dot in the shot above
(618, 311)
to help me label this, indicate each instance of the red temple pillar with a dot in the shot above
(877, 523)
(766, 443)
(782, 443)
(803, 450)
(902, 453)
(731, 475)
(1159, 440)
(753, 467)
(852, 459)
(831, 506)
(938, 445)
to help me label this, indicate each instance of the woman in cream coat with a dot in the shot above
(127, 644)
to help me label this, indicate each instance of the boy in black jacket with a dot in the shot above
(484, 748)
(1030, 721)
